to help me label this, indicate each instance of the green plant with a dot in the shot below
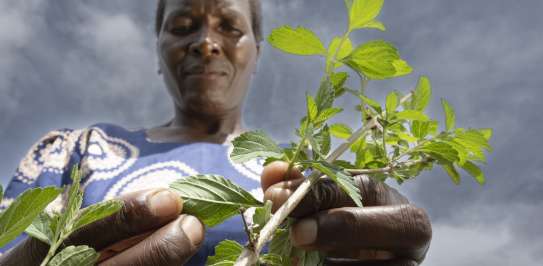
(27, 213)
(396, 140)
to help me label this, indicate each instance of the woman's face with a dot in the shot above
(207, 53)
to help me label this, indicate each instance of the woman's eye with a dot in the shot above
(226, 27)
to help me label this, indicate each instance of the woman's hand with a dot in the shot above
(386, 231)
(148, 230)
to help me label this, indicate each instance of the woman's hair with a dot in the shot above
(256, 18)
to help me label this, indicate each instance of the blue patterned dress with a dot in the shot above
(115, 161)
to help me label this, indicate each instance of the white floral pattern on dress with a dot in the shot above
(50, 154)
(106, 156)
(158, 175)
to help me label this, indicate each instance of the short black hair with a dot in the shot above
(256, 18)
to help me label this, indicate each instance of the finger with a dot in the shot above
(122, 245)
(327, 195)
(275, 172)
(173, 244)
(142, 211)
(393, 262)
(402, 229)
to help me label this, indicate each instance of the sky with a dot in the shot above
(71, 64)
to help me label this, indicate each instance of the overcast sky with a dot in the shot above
(67, 63)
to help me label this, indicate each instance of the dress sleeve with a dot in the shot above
(47, 163)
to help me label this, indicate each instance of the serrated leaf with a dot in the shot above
(344, 51)
(41, 228)
(362, 12)
(75, 199)
(323, 140)
(341, 131)
(226, 253)
(212, 198)
(280, 244)
(375, 24)
(422, 94)
(440, 151)
(252, 145)
(325, 95)
(451, 171)
(298, 41)
(420, 129)
(377, 60)
(450, 117)
(97, 212)
(474, 171)
(474, 142)
(22, 212)
(75, 256)
(344, 181)
(460, 149)
(312, 109)
(271, 260)
(411, 115)
(372, 103)
(327, 114)
(391, 102)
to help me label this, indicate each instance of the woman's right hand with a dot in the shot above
(148, 230)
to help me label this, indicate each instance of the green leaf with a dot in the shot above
(271, 260)
(449, 115)
(344, 181)
(323, 140)
(474, 171)
(375, 24)
(325, 95)
(377, 60)
(226, 253)
(254, 144)
(451, 171)
(372, 103)
(42, 229)
(327, 114)
(212, 198)
(411, 115)
(440, 151)
(338, 81)
(363, 12)
(407, 137)
(422, 94)
(1, 193)
(97, 212)
(312, 109)
(344, 51)
(261, 216)
(280, 244)
(486, 132)
(391, 102)
(22, 212)
(308, 258)
(75, 256)
(75, 199)
(298, 41)
(474, 142)
(341, 131)
(420, 129)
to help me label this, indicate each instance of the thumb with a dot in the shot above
(142, 211)
(276, 172)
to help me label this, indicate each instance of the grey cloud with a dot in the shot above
(79, 62)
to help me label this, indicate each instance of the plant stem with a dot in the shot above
(250, 256)
(247, 230)
(385, 169)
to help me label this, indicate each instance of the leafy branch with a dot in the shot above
(397, 140)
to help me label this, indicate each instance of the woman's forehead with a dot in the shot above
(207, 6)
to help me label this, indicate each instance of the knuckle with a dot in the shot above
(417, 225)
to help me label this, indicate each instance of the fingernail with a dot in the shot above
(165, 203)
(193, 229)
(304, 232)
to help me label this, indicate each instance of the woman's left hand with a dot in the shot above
(387, 231)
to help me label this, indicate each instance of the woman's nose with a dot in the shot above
(205, 47)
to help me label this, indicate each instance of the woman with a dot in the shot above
(208, 50)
